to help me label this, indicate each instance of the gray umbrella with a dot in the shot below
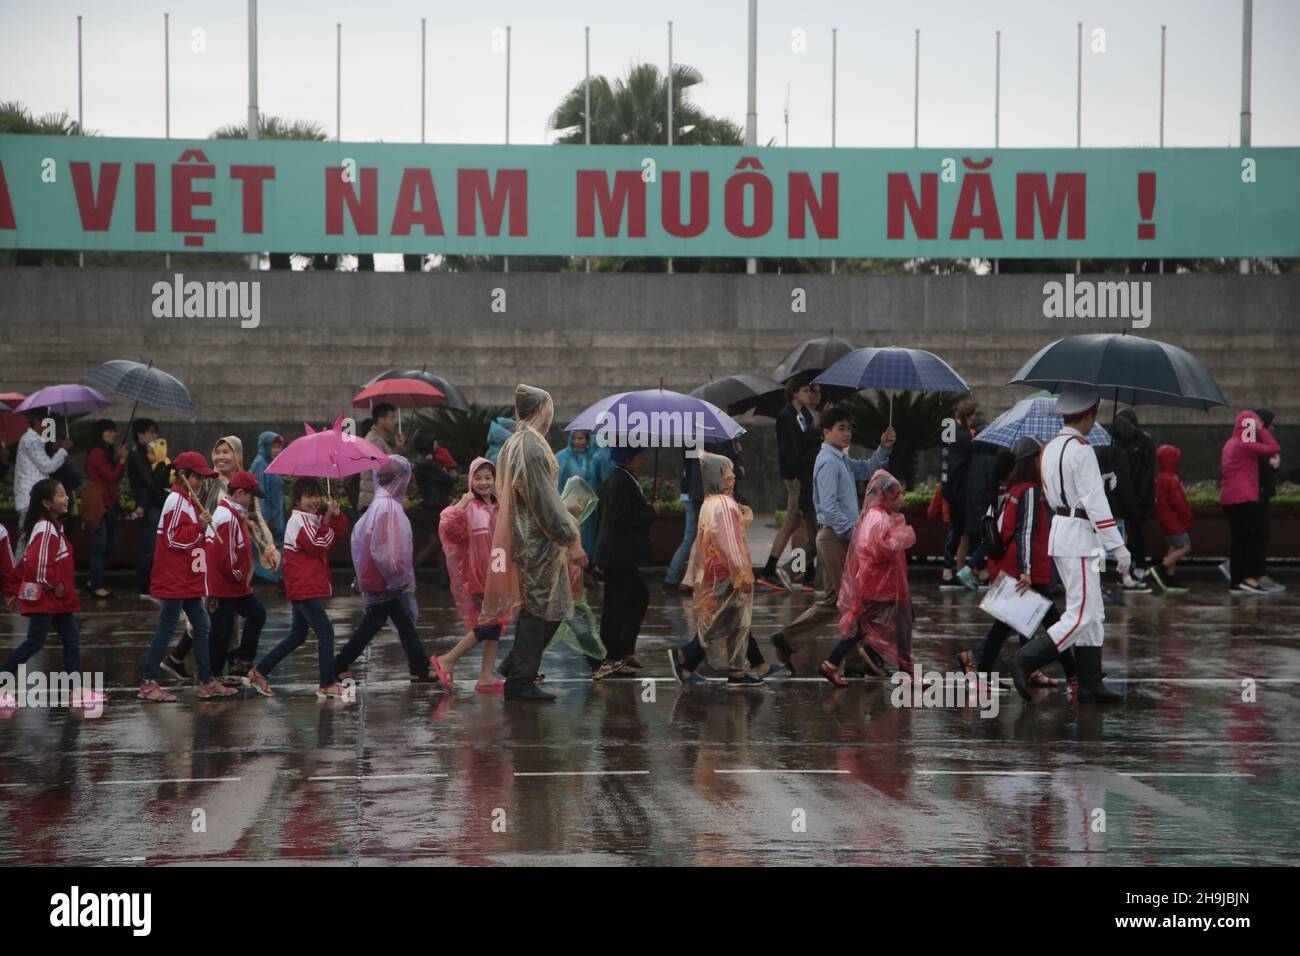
(142, 384)
(812, 357)
(1126, 368)
(454, 399)
(737, 394)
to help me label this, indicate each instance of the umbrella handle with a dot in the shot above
(199, 509)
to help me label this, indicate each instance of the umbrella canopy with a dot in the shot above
(1033, 418)
(741, 393)
(12, 424)
(65, 400)
(669, 417)
(893, 369)
(813, 357)
(142, 383)
(1126, 368)
(327, 454)
(453, 397)
(401, 392)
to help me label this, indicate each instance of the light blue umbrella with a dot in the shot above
(1035, 418)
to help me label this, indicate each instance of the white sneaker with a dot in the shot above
(1268, 584)
(1244, 588)
(1226, 571)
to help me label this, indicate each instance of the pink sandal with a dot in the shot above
(444, 677)
(498, 688)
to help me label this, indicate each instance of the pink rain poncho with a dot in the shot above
(466, 533)
(381, 542)
(874, 597)
(722, 567)
(534, 529)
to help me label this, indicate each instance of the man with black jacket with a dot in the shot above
(957, 456)
(798, 440)
(149, 494)
(622, 546)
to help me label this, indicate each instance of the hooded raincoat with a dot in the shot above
(466, 534)
(586, 465)
(1239, 465)
(874, 597)
(272, 506)
(500, 430)
(534, 529)
(214, 489)
(382, 547)
(722, 567)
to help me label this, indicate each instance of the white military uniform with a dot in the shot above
(1078, 542)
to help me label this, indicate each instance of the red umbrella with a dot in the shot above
(12, 424)
(402, 392)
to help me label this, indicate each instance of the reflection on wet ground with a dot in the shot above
(1186, 771)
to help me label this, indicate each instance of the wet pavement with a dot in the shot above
(641, 771)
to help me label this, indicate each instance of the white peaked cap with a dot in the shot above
(1076, 399)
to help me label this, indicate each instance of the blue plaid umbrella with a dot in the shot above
(142, 383)
(1035, 418)
(893, 369)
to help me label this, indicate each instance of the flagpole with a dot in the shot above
(586, 111)
(670, 106)
(751, 112)
(835, 38)
(507, 258)
(916, 94)
(997, 100)
(253, 257)
(1162, 105)
(81, 120)
(423, 84)
(1247, 15)
(338, 83)
(167, 98)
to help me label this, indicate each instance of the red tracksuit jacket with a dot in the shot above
(307, 543)
(10, 575)
(47, 563)
(1024, 528)
(176, 569)
(230, 560)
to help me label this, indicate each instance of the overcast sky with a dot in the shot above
(123, 60)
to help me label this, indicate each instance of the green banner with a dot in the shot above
(89, 193)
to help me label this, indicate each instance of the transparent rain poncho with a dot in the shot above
(466, 534)
(534, 529)
(382, 543)
(580, 630)
(874, 596)
(722, 567)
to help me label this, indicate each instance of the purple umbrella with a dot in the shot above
(664, 418)
(65, 400)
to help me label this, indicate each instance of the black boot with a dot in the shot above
(1091, 689)
(1037, 653)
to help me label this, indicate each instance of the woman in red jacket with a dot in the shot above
(1175, 518)
(105, 467)
(47, 595)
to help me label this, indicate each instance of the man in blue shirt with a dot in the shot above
(835, 499)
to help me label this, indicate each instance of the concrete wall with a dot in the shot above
(584, 336)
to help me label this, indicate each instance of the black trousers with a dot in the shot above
(626, 600)
(375, 617)
(1249, 538)
(532, 635)
(223, 629)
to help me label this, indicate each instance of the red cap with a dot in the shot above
(193, 461)
(245, 481)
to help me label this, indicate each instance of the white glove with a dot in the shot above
(1123, 559)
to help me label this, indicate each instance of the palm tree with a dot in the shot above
(15, 117)
(276, 127)
(633, 111)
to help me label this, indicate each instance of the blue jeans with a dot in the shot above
(306, 614)
(38, 626)
(677, 568)
(168, 618)
(102, 543)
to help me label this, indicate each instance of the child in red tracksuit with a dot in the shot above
(1175, 518)
(10, 576)
(230, 578)
(47, 592)
(308, 538)
(1024, 525)
(178, 579)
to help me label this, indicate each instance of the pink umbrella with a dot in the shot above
(328, 454)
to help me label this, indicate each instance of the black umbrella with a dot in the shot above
(1126, 368)
(454, 398)
(812, 357)
(737, 394)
